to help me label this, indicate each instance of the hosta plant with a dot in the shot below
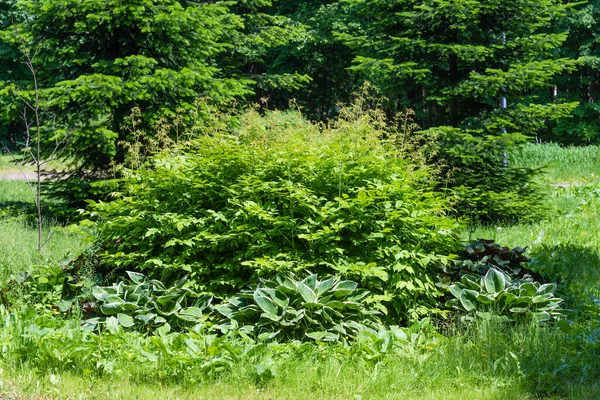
(481, 255)
(147, 303)
(291, 308)
(498, 292)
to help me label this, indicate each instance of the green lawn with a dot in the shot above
(486, 361)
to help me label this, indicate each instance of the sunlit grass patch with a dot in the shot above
(566, 165)
(18, 241)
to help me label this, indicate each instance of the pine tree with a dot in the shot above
(12, 70)
(101, 58)
(583, 25)
(452, 60)
(317, 53)
(263, 32)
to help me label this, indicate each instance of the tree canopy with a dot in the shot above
(449, 60)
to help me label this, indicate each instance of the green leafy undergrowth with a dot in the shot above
(290, 308)
(52, 342)
(497, 292)
(147, 303)
(53, 287)
(540, 360)
(269, 199)
(481, 255)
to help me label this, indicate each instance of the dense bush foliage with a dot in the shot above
(284, 195)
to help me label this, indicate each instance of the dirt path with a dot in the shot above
(17, 176)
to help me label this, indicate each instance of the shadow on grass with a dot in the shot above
(16, 208)
(15, 203)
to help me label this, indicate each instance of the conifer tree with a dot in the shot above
(263, 32)
(317, 53)
(583, 25)
(100, 58)
(452, 60)
(12, 70)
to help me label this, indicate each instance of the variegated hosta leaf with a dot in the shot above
(312, 308)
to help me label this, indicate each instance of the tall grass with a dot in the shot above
(18, 235)
(489, 360)
(18, 241)
(14, 191)
(566, 165)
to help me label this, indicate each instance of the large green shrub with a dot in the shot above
(283, 195)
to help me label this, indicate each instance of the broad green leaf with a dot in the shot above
(471, 282)
(267, 336)
(528, 289)
(485, 299)
(137, 277)
(455, 291)
(64, 305)
(311, 282)
(323, 336)
(524, 300)
(167, 309)
(358, 295)
(346, 285)
(280, 299)
(506, 299)
(398, 332)
(99, 293)
(145, 318)
(271, 316)
(494, 281)
(125, 320)
(265, 303)
(192, 312)
(112, 307)
(547, 288)
(286, 285)
(307, 293)
(168, 298)
(324, 286)
(544, 298)
(203, 302)
(468, 299)
(227, 310)
(113, 326)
